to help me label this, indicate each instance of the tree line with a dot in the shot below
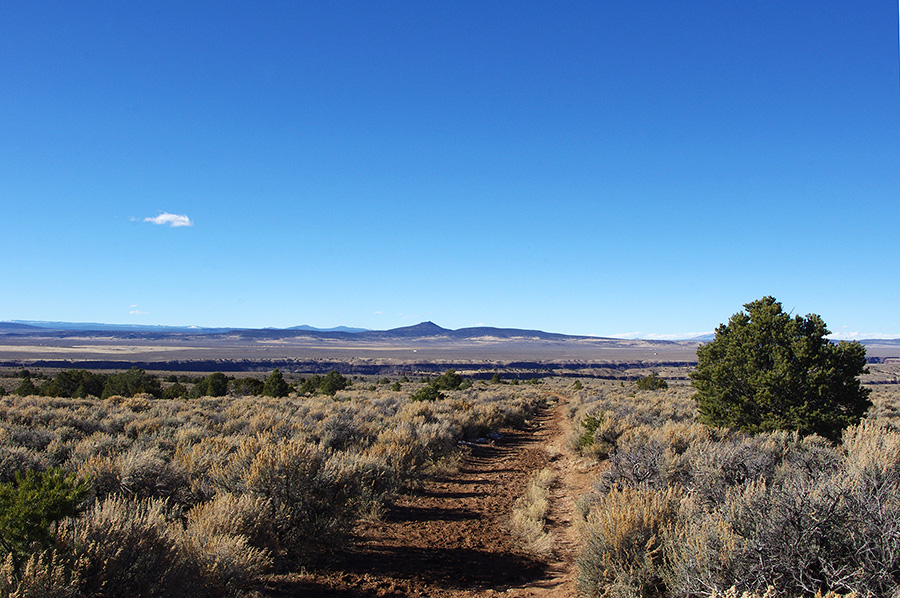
(78, 383)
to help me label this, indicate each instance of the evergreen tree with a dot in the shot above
(333, 382)
(449, 380)
(275, 385)
(767, 371)
(26, 387)
(132, 382)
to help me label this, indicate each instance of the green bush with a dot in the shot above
(74, 383)
(26, 387)
(590, 424)
(214, 385)
(275, 386)
(130, 383)
(427, 393)
(31, 503)
(326, 385)
(175, 391)
(652, 382)
(449, 380)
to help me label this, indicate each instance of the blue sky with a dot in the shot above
(589, 168)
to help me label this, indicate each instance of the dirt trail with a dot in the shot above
(450, 538)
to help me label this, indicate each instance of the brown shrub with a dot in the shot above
(44, 575)
(623, 542)
(230, 539)
(124, 547)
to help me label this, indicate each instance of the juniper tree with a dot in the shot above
(766, 370)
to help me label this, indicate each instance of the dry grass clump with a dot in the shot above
(201, 496)
(128, 547)
(44, 575)
(624, 541)
(529, 516)
(799, 514)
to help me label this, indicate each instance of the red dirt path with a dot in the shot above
(450, 538)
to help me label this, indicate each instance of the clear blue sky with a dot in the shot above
(579, 167)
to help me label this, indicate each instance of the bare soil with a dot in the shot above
(450, 537)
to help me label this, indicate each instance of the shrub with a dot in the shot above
(328, 385)
(128, 548)
(26, 388)
(237, 514)
(214, 385)
(652, 382)
(333, 382)
(590, 424)
(427, 393)
(449, 380)
(227, 563)
(16, 459)
(623, 542)
(247, 386)
(773, 509)
(528, 520)
(230, 538)
(31, 504)
(175, 391)
(309, 495)
(43, 575)
(74, 383)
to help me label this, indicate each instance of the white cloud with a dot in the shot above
(172, 220)
(137, 312)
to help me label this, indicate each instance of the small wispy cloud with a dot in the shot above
(137, 312)
(172, 220)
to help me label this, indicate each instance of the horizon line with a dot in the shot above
(637, 335)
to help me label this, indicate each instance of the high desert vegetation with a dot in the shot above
(765, 477)
(216, 490)
(685, 509)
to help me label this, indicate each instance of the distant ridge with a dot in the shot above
(335, 329)
(423, 330)
(18, 326)
(99, 327)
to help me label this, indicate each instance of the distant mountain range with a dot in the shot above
(417, 331)
(422, 330)
(33, 325)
